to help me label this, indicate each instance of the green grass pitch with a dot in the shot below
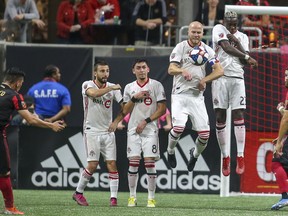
(54, 203)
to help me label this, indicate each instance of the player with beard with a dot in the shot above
(98, 96)
(232, 49)
(189, 83)
(11, 101)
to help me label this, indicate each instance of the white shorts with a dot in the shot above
(228, 91)
(184, 105)
(96, 144)
(148, 144)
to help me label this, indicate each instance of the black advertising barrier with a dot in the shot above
(75, 64)
(48, 160)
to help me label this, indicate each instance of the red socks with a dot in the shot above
(6, 189)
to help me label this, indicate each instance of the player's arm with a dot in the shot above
(231, 50)
(161, 109)
(35, 121)
(127, 108)
(175, 69)
(60, 115)
(93, 92)
(237, 43)
(217, 71)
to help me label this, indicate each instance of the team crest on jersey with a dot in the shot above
(128, 150)
(2, 93)
(107, 104)
(173, 55)
(148, 101)
(221, 35)
(92, 153)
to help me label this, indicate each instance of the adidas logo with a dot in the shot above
(69, 161)
(62, 170)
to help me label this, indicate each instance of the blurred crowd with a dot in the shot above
(135, 22)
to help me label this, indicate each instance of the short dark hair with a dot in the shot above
(13, 74)
(138, 60)
(50, 70)
(99, 62)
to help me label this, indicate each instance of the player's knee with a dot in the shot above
(92, 166)
(111, 165)
(203, 137)
(176, 131)
(133, 166)
(220, 126)
(150, 166)
(239, 122)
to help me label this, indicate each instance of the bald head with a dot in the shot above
(195, 33)
(195, 24)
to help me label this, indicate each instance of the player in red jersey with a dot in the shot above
(280, 160)
(11, 100)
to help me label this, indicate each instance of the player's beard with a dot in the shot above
(102, 80)
(195, 41)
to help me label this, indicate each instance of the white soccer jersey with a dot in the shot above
(181, 54)
(144, 108)
(98, 111)
(232, 65)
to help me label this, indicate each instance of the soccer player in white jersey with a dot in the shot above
(98, 96)
(231, 47)
(187, 98)
(145, 99)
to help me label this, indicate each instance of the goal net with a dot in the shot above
(264, 90)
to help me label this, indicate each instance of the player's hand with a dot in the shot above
(58, 126)
(280, 105)
(167, 127)
(142, 95)
(278, 148)
(141, 126)
(187, 76)
(116, 87)
(112, 127)
(275, 141)
(201, 86)
(251, 61)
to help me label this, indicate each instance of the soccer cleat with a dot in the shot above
(282, 203)
(240, 168)
(192, 161)
(226, 166)
(151, 203)
(132, 202)
(113, 201)
(172, 160)
(13, 211)
(80, 199)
